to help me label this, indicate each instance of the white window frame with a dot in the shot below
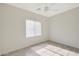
(33, 28)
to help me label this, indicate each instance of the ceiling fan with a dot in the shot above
(46, 8)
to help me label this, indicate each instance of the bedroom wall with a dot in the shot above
(1, 28)
(14, 28)
(64, 28)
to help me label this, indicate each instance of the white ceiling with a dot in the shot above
(53, 8)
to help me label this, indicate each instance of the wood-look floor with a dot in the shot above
(46, 49)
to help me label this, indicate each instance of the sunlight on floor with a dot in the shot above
(50, 50)
(46, 49)
(45, 52)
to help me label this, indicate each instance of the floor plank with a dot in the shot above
(46, 49)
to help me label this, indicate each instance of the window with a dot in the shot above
(33, 28)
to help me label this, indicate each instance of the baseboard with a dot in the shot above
(73, 48)
(22, 48)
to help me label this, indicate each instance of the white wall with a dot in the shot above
(1, 28)
(14, 28)
(64, 28)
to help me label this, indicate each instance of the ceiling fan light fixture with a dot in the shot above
(46, 8)
(38, 8)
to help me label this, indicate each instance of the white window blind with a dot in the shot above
(33, 28)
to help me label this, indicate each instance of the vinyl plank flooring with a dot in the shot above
(46, 49)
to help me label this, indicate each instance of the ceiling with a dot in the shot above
(46, 9)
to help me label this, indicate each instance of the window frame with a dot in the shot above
(34, 34)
